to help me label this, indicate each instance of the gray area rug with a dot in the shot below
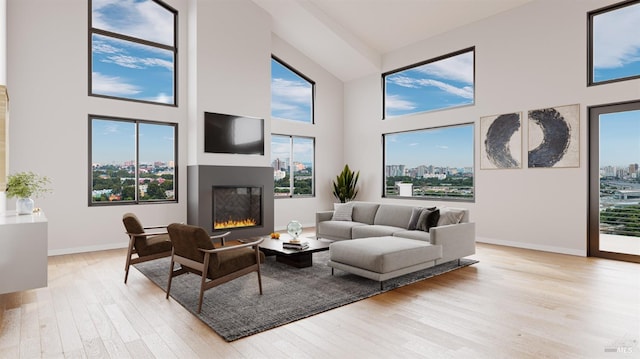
(236, 309)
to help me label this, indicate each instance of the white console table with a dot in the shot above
(23, 251)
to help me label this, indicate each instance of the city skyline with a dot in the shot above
(441, 147)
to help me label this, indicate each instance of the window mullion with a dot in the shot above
(137, 164)
(291, 169)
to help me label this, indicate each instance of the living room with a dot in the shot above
(529, 57)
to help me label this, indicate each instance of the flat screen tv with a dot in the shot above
(233, 134)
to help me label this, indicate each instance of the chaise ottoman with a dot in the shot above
(382, 258)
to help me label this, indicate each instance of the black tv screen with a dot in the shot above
(233, 134)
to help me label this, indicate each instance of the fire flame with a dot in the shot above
(234, 223)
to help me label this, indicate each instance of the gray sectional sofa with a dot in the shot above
(370, 220)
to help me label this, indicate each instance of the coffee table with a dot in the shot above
(293, 257)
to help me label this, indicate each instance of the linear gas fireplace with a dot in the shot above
(236, 207)
(238, 199)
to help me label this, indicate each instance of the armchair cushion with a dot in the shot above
(231, 261)
(147, 244)
(188, 239)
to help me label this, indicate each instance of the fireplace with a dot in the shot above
(236, 207)
(231, 193)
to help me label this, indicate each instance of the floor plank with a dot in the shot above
(514, 303)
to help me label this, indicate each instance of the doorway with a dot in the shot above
(614, 181)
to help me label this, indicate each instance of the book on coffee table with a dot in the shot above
(295, 245)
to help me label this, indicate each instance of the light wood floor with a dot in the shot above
(513, 304)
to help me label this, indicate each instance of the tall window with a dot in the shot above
(432, 163)
(291, 93)
(614, 43)
(133, 50)
(293, 165)
(132, 161)
(443, 82)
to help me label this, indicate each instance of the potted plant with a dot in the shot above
(344, 186)
(23, 186)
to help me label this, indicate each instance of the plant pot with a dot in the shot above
(24, 206)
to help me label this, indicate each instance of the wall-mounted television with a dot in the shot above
(233, 134)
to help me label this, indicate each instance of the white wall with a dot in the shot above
(528, 58)
(224, 58)
(47, 61)
(327, 132)
(230, 72)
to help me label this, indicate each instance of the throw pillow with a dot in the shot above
(428, 218)
(413, 221)
(450, 216)
(342, 211)
(415, 214)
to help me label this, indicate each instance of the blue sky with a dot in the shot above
(302, 147)
(616, 43)
(440, 84)
(113, 142)
(291, 95)
(129, 70)
(443, 147)
(620, 138)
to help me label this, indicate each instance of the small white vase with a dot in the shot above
(24, 206)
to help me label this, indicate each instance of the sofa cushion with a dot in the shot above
(428, 218)
(374, 230)
(364, 212)
(415, 234)
(450, 216)
(337, 229)
(393, 215)
(383, 254)
(342, 211)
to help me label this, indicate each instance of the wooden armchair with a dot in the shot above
(193, 249)
(144, 246)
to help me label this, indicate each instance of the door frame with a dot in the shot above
(593, 230)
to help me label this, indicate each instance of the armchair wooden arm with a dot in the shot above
(220, 236)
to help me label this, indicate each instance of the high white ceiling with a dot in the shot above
(348, 37)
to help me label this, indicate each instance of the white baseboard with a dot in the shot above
(104, 247)
(537, 247)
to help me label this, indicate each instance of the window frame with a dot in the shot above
(292, 193)
(432, 198)
(174, 49)
(304, 77)
(471, 49)
(590, 48)
(136, 122)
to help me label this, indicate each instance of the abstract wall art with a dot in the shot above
(554, 137)
(501, 141)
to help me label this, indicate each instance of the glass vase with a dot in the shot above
(24, 206)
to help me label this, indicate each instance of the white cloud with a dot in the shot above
(143, 19)
(443, 147)
(291, 91)
(456, 68)
(414, 144)
(616, 38)
(290, 99)
(163, 98)
(395, 102)
(112, 85)
(404, 81)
